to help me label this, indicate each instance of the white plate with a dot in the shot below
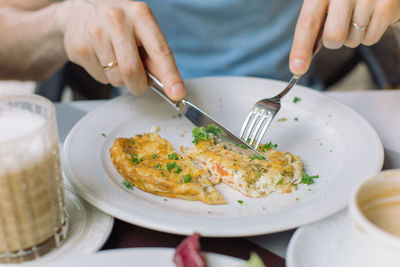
(333, 141)
(321, 244)
(89, 228)
(149, 257)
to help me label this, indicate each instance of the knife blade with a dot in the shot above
(198, 117)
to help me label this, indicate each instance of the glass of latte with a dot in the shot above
(32, 209)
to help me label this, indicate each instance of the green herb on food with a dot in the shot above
(187, 178)
(199, 134)
(270, 146)
(307, 179)
(158, 166)
(134, 159)
(178, 169)
(242, 146)
(154, 156)
(280, 182)
(127, 184)
(171, 166)
(215, 130)
(173, 156)
(240, 202)
(256, 157)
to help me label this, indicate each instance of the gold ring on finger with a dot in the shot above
(359, 27)
(110, 65)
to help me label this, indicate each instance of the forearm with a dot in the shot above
(32, 43)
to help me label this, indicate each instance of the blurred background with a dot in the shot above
(363, 68)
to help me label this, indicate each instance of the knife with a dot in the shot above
(199, 117)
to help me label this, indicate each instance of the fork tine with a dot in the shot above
(264, 129)
(246, 123)
(256, 130)
(255, 119)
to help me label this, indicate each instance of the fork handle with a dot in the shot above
(316, 48)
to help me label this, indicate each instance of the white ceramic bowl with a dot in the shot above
(371, 245)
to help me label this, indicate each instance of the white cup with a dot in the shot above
(375, 221)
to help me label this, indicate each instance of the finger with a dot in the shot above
(361, 17)
(105, 53)
(380, 20)
(160, 61)
(129, 63)
(337, 23)
(311, 17)
(82, 54)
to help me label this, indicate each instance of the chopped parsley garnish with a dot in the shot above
(280, 182)
(256, 157)
(171, 166)
(215, 130)
(242, 146)
(127, 184)
(158, 166)
(134, 159)
(296, 119)
(154, 156)
(187, 178)
(307, 179)
(270, 146)
(296, 99)
(165, 199)
(103, 134)
(178, 169)
(240, 202)
(173, 156)
(200, 133)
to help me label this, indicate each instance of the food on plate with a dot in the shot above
(252, 175)
(188, 254)
(151, 164)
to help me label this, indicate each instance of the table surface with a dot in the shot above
(381, 108)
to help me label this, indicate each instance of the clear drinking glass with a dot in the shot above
(33, 220)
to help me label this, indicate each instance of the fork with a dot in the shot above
(263, 112)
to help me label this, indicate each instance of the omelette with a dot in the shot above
(252, 175)
(151, 164)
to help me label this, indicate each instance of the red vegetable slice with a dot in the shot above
(188, 254)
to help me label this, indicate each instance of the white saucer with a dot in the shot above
(321, 244)
(89, 228)
(149, 257)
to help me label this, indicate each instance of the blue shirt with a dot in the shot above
(229, 37)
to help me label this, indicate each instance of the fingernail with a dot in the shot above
(178, 91)
(298, 65)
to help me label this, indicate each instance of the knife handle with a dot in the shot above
(158, 87)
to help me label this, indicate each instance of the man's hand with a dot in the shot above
(99, 32)
(348, 22)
